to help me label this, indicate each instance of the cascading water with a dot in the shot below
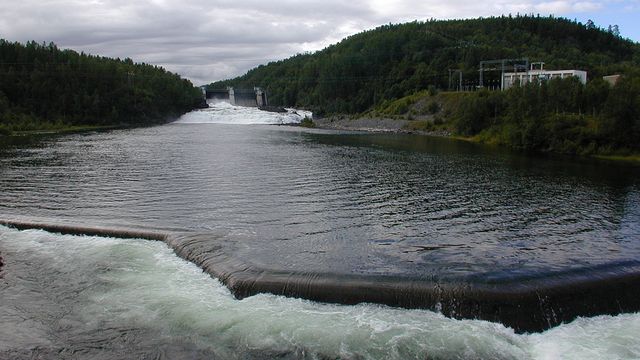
(220, 112)
(66, 296)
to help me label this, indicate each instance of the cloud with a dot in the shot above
(207, 41)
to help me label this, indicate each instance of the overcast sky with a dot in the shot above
(213, 40)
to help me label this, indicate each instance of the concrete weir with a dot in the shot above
(529, 305)
(255, 97)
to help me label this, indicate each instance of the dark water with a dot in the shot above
(337, 202)
(303, 200)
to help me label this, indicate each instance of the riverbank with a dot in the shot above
(53, 128)
(427, 128)
(379, 125)
(66, 129)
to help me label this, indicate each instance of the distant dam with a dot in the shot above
(255, 97)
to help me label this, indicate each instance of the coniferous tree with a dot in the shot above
(42, 86)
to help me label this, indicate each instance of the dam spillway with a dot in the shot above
(526, 305)
(255, 97)
(132, 298)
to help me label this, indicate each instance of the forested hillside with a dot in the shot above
(43, 87)
(393, 61)
(558, 115)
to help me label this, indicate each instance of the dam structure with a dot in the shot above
(532, 305)
(255, 97)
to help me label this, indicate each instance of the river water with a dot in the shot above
(307, 200)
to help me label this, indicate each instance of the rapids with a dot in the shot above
(66, 296)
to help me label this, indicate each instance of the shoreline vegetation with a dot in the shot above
(407, 73)
(416, 127)
(46, 89)
(63, 129)
(551, 121)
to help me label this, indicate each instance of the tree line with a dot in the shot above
(42, 86)
(396, 60)
(559, 115)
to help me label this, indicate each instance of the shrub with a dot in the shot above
(307, 122)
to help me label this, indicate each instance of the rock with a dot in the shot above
(202, 104)
(276, 109)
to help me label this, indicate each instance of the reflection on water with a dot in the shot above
(337, 202)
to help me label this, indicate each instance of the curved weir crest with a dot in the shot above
(529, 305)
(68, 296)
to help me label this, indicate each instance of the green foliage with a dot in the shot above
(400, 106)
(478, 111)
(560, 115)
(44, 87)
(621, 112)
(433, 107)
(420, 125)
(307, 122)
(393, 61)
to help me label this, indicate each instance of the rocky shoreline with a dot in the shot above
(403, 126)
(377, 125)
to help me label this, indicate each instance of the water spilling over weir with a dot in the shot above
(452, 228)
(68, 296)
(222, 112)
(526, 305)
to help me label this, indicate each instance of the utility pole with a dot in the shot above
(451, 72)
(503, 65)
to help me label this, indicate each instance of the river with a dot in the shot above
(304, 200)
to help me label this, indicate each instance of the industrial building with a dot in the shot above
(540, 74)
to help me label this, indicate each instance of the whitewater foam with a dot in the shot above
(124, 284)
(225, 113)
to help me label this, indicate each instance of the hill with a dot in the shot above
(43, 87)
(393, 61)
(559, 115)
(400, 72)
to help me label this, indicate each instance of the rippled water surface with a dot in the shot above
(305, 200)
(337, 202)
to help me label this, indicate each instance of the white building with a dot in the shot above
(510, 79)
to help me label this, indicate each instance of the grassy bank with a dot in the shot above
(66, 129)
(635, 158)
(46, 127)
(558, 116)
(443, 114)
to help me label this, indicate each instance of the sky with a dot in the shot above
(206, 41)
